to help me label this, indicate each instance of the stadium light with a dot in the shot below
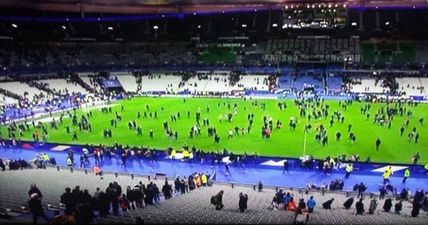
(155, 27)
(255, 10)
(244, 25)
(163, 16)
(354, 24)
(344, 5)
(194, 13)
(63, 27)
(274, 25)
(199, 26)
(110, 28)
(98, 19)
(387, 23)
(284, 26)
(14, 25)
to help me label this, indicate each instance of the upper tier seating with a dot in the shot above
(128, 81)
(20, 88)
(160, 83)
(64, 86)
(410, 85)
(367, 85)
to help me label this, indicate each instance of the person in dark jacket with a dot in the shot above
(359, 206)
(34, 189)
(416, 208)
(113, 198)
(348, 203)
(327, 204)
(167, 190)
(68, 200)
(130, 195)
(138, 194)
(398, 206)
(243, 199)
(103, 204)
(387, 205)
(217, 200)
(35, 207)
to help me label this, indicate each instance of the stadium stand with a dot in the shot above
(193, 207)
(254, 82)
(366, 85)
(128, 81)
(64, 86)
(89, 81)
(160, 83)
(411, 86)
(21, 88)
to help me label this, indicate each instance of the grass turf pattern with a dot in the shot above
(283, 142)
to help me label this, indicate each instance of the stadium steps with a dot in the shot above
(193, 207)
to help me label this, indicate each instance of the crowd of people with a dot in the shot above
(80, 207)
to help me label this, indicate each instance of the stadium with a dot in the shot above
(213, 112)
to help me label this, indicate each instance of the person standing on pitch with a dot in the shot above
(406, 175)
(285, 166)
(387, 174)
(378, 144)
(348, 170)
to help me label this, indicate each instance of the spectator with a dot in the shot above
(274, 205)
(217, 200)
(291, 205)
(301, 216)
(243, 199)
(34, 189)
(124, 203)
(167, 190)
(359, 206)
(130, 195)
(68, 200)
(97, 170)
(361, 189)
(373, 206)
(112, 196)
(348, 203)
(35, 207)
(416, 208)
(327, 204)
(311, 204)
(398, 206)
(103, 204)
(387, 205)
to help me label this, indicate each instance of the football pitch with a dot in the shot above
(283, 142)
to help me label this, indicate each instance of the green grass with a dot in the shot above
(283, 142)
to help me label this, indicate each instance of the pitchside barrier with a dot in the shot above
(259, 162)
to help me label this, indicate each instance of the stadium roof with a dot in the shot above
(189, 6)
